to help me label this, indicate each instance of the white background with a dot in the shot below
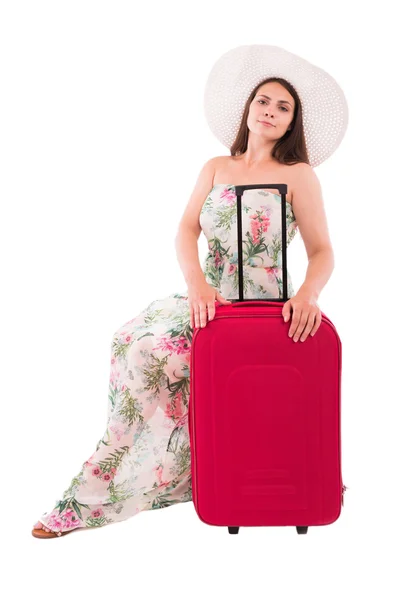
(102, 137)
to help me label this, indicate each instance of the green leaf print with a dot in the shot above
(276, 248)
(181, 449)
(108, 443)
(182, 385)
(154, 373)
(76, 481)
(70, 503)
(218, 254)
(112, 394)
(128, 408)
(181, 326)
(145, 335)
(251, 250)
(75, 506)
(162, 500)
(113, 460)
(97, 522)
(225, 217)
(152, 316)
(118, 493)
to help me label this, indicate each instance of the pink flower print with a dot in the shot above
(168, 411)
(164, 343)
(107, 476)
(55, 522)
(96, 472)
(232, 269)
(64, 521)
(113, 361)
(174, 345)
(159, 471)
(217, 258)
(88, 463)
(229, 196)
(97, 513)
(178, 405)
(182, 346)
(271, 273)
(128, 339)
(258, 224)
(114, 375)
(70, 518)
(117, 430)
(175, 411)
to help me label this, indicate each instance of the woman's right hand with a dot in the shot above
(202, 297)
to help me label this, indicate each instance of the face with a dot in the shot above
(274, 104)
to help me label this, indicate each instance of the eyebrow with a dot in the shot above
(281, 101)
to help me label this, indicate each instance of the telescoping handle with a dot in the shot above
(239, 189)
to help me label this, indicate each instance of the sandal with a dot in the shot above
(41, 533)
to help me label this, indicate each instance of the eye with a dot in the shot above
(283, 107)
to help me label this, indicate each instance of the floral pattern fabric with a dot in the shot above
(142, 462)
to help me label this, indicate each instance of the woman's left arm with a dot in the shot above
(309, 211)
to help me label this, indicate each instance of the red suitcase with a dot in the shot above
(264, 413)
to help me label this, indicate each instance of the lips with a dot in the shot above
(267, 124)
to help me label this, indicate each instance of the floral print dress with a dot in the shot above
(143, 461)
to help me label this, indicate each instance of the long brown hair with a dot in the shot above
(291, 147)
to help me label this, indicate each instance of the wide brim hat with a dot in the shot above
(237, 72)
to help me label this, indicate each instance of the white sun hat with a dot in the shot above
(237, 72)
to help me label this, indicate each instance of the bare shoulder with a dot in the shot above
(222, 161)
(211, 167)
(304, 184)
(301, 172)
(201, 190)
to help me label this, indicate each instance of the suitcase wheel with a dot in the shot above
(301, 529)
(233, 529)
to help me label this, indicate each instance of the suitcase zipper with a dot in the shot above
(344, 488)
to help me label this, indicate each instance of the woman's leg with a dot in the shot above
(134, 466)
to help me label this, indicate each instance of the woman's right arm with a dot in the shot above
(188, 256)
(186, 241)
(201, 295)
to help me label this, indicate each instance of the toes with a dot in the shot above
(40, 525)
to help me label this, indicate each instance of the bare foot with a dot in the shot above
(40, 525)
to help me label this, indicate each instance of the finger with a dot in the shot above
(317, 323)
(295, 321)
(309, 326)
(196, 316)
(286, 311)
(211, 311)
(191, 317)
(203, 315)
(301, 325)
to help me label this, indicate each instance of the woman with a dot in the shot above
(142, 462)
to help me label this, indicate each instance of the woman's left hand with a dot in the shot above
(306, 317)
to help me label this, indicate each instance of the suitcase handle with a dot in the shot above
(262, 303)
(239, 190)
